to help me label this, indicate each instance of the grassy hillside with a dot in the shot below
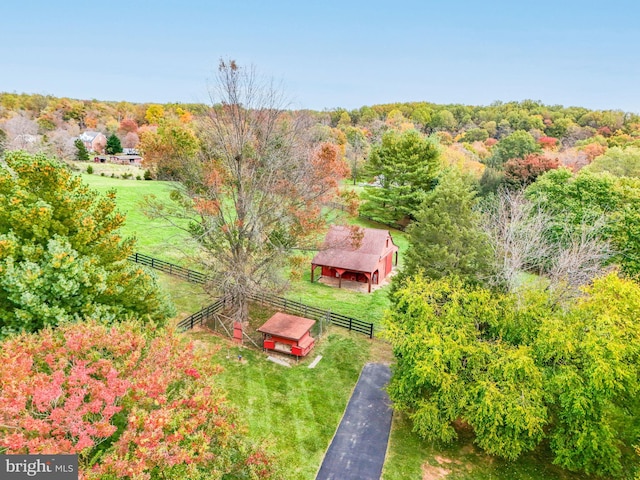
(154, 237)
(169, 243)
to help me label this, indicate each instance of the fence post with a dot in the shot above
(371, 330)
(152, 265)
(350, 319)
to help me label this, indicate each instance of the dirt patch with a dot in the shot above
(442, 460)
(381, 352)
(431, 472)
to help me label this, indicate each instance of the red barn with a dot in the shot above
(369, 259)
(288, 334)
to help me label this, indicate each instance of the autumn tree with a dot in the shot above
(520, 172)
(446, 237)
(168, 149)
(128, 125)
(154, 114)
(113, 145)
(621, 162)
(405, 166)
(130, 402)
(62, 257)
(518, 370)
(257, 194)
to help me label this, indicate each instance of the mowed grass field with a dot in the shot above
(167, 242)
(154, 237)
(296, 410)
(293, 411)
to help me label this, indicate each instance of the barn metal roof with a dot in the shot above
(343, 250)
(287, 326)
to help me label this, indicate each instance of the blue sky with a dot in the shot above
(328, 53)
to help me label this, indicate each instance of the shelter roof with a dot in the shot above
(360, 251)
(287, 326)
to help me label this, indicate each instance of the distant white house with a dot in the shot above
(94, 141)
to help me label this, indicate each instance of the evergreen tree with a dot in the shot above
(405, 165)
(82, 154)
(62, 256)
(113, 145)
(446, 238)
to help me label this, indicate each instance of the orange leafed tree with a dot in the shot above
(128, 402)
(256, 195)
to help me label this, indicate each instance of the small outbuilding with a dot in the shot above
(367, 255)
(288, 334)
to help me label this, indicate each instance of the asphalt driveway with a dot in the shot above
(359, 446)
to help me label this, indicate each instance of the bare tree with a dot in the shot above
(60, 144)
(578, 259)
(131, 140)
(257, 194)
(22, 134)
(518, 232)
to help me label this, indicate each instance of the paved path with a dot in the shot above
(358, 449)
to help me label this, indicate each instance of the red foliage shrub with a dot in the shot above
(525, 171)
(548, 143)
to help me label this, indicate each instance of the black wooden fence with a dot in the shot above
(307, 311)
(289, 306)
(170, 268)
(201, 317)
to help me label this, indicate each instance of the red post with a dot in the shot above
(237, 332)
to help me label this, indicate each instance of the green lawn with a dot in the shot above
(294, 411)
(107, 169)
(409, 457)
(187, 297)
(169, 243)
(155, 237)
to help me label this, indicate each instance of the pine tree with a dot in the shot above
(113, 145)
(446, 238)
(405, 165)
(82, 154)
(62, 255)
